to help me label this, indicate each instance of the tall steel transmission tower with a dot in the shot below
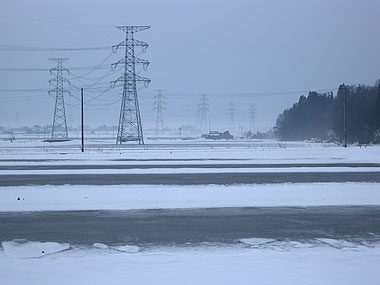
(203, 111)
(252, 117)
(130, 128)
(59, 130)
(231, 111)
(158, 106)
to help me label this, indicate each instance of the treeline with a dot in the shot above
(320, 116)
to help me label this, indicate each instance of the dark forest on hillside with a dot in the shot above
(320, 116)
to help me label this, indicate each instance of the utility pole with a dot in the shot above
(252, 117)
(345, 115)
(231, 110)
(59, 130)
(82, 121)
(158, 106)
(130, 128)
(203, 109)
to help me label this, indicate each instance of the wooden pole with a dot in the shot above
(345, 116)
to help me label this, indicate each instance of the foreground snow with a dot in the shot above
(125, 197)
(264, 262)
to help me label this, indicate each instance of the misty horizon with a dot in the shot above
(262, 54)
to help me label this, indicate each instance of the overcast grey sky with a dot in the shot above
(246, 52)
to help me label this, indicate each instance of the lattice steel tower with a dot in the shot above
(130, 128)
(252, 117)
(203, 110)
(159, 106)
(231, 111)
(59, 130)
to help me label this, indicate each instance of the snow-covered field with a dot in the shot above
(252, 151)
(248, 261)
(315, 262)
(127, 197)
(191, 170)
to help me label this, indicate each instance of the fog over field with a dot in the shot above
(262, 53)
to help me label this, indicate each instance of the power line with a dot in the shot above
(101, 94)
(48, 23)
(106, 66)
(110, 72)
(101, 63)
(26, 48)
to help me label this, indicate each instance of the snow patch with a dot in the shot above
(123, 248)
(100, 245)
(341, 244)
(256, 241)
(128, 248)
(297, 244)
(29, 249)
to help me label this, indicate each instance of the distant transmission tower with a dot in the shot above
(158, 106)
(252, 117)
(130, 128)
(203, 110)
(59, 130)
(231, 111)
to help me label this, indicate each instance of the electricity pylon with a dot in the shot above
(231, 110)
(203, 110)
(158, 106)
(130, 128)
(59, 130)
(252, 117)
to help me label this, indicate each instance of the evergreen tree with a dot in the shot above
(320, 115)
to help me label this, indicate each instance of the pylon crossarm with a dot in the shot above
(132, 29)
(54, 80)
(114, 65)
(55, 90)
(113, 83)
(131, 42)
(146, 83)
(144, 62)
(140, 78)
(55, 69)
